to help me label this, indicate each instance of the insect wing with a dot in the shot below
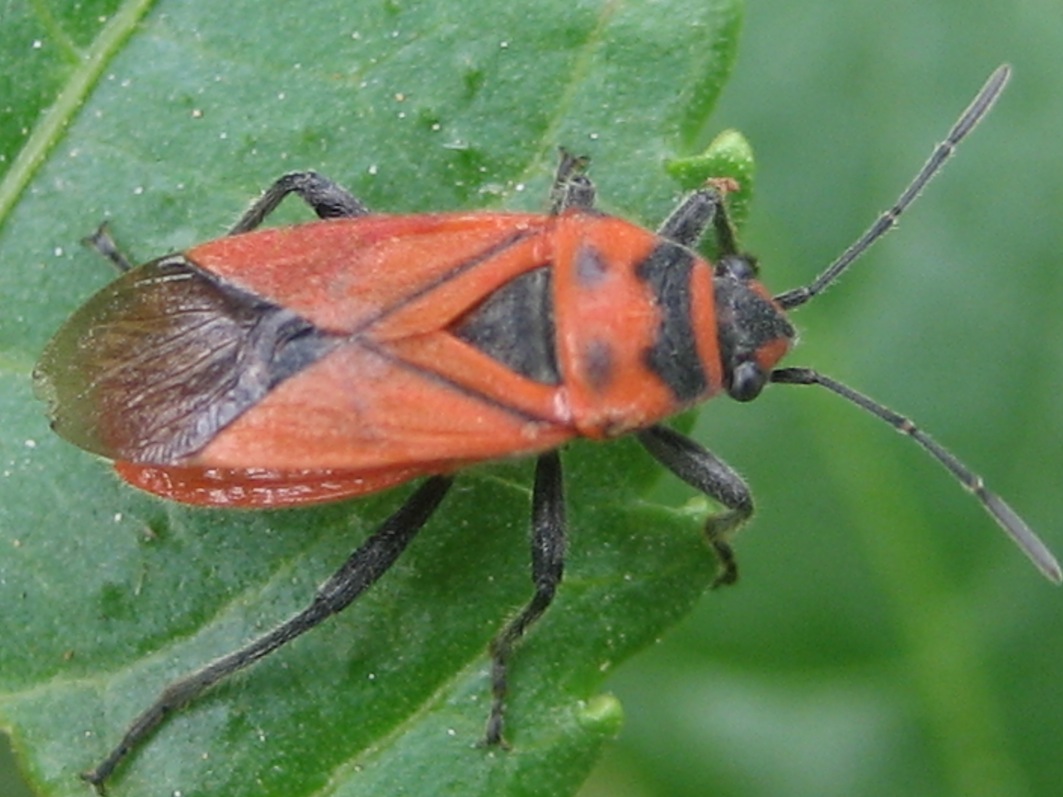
(152, 365)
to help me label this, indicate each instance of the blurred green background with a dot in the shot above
(885, 639)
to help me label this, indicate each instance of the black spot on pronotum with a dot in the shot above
(598, 364)
(591, 266)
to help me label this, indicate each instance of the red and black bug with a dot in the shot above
(337, 358)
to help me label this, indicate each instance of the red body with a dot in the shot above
(398, 368)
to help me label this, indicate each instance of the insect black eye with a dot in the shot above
(747, 380)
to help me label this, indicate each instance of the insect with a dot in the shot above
(341, 357)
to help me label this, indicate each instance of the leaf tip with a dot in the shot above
(603, 714)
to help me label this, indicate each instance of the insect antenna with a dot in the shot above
(1013, 525)
(1009, 520)
(969, 119)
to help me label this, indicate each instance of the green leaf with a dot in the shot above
(729, 154)
(167, 119)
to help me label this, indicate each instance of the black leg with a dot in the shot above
(706, 472)
(103, 243)
(688, 222)
(327, 199)
(368, 563)
(548, 564)
(572, 187)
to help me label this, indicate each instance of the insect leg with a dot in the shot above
(328, 200)
(103, 243)
(548, 564)
(688, 222)
(368, 563)
(706, 472)
(572, 187)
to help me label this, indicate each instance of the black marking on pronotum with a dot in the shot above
(674, 355)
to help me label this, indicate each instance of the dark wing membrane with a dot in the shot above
(152, 366)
